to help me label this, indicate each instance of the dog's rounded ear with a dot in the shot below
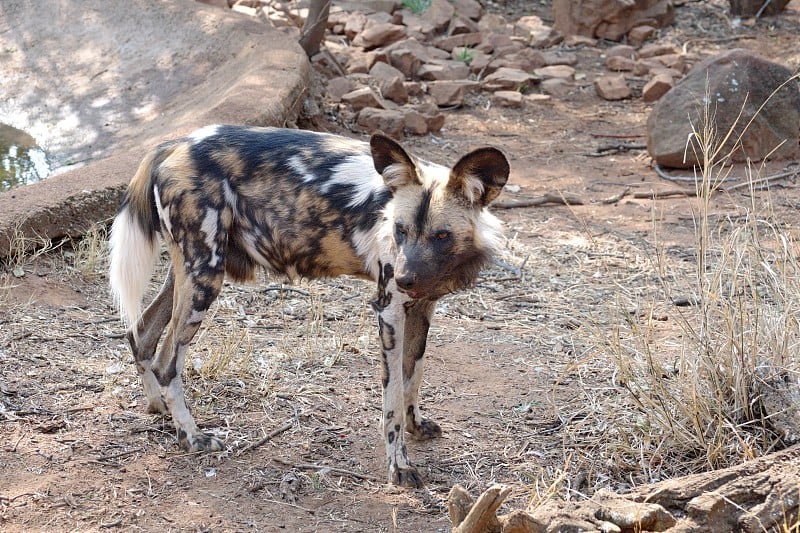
(392, 162)
(480, 175)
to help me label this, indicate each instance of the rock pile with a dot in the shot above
(395, 69)
(663, 64)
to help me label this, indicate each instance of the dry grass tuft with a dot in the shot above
(89, 254)
(692, 391)
(23, 251)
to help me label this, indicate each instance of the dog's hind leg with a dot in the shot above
(194, 292)
(143, 345)
(418, 321)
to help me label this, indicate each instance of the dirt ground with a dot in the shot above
(513, 365)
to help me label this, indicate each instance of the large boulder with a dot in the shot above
(734, 85)
(609, 19)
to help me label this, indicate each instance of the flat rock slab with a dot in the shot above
(99, 83)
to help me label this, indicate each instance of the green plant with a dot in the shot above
(417, 6)
(464, 54)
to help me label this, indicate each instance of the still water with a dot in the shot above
(22, 161)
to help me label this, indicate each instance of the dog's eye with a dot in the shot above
(442, 235)
(401, 230)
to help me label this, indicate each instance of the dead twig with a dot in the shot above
(517, 271)
(768, 179)
(111, 457)
(268, 437)
(764, 6)
(552, 198)
(687, 179)
(333, 61)
(719, 40)
(282, 288)
(6, 500)
(112, 523)
(618, 135)
(743, 185)
(616, 197)
(660, 195)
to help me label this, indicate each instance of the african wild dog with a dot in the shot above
(231, 199)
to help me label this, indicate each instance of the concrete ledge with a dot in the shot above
(237, 71)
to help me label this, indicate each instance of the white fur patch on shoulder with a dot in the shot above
(297, 163)
(367, 247)
(359, 172)
(204, 133)
(210, 226)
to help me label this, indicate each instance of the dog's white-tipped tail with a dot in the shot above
(133, 256)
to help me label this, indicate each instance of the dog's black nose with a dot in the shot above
(406, 282)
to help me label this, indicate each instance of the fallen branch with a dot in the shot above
(616, 197)
(558, 198)
(745, 184)
(548, 198)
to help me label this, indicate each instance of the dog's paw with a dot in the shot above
(200, 442)
(407, 477)
(426, 430)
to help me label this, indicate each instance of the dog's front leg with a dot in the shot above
(389, 305)
(418, 321)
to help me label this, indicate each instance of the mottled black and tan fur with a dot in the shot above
(230, 200)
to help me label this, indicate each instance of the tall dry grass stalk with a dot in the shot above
(695, 394)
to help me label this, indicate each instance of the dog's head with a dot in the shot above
(441, 228)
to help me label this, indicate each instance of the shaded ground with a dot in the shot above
(513, 367)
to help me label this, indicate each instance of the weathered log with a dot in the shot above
(314, 27)
(759, 495)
